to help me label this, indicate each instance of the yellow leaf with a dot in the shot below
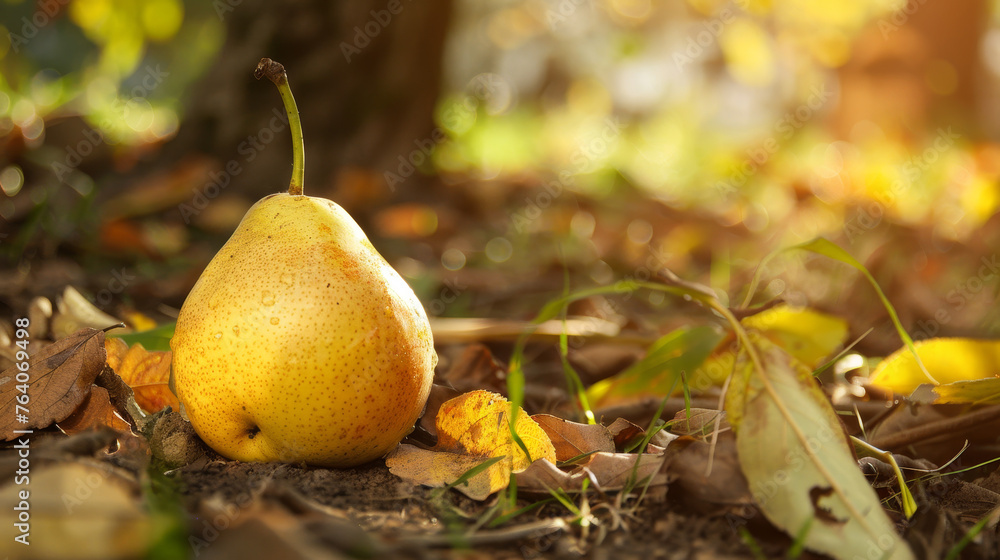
(946, 359)
(147, 373)
(808, 335)
(473, 428)
(977, 391)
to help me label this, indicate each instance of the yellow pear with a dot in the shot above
(299, 342)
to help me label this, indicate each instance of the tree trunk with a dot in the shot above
(365, 79)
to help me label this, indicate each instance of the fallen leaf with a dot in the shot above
(706, 355)
(97, 412)
(39, 313)
(659, 372)
(977, 391)
(473, 428)
(701, 423)
(797, 460)
(473, 368)
(688, 461)
(807, 335)
(79, 510)
(60, 378)
(625, 433)
(147, 373)
(439, 395)
(572, 439)
(947, 359)
(74, 312)
(122, 398)
(614, 471)
(154, 339)
(607, 471)
(94, 412)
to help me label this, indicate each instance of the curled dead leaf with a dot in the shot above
(572, 439)
(625, 433)
(147, 373)
(95, 411)
(473, 428)
(606, 471)
(74, 312)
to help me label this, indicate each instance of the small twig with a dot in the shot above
(939, 428)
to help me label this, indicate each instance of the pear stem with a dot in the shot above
(275, 72)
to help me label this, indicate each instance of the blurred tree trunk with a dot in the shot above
(366, 81)
(914, 70)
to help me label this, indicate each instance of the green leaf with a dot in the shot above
(797, 459)
(808, 335)
(979, 391)
(824, 247)
(658, 373)
(156, 339)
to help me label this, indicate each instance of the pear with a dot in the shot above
(299, 342)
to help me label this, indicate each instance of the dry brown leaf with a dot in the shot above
(75, 312)
(607, 471)
(439, 395)
(701, 423)
(614, 470)
(688, 459)
(95, 411)
(147, 373)
(572, 439)
(60, 378)
(624, 432)
(473, 428)
(475, 367)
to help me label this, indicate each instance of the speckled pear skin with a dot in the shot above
(300, 343)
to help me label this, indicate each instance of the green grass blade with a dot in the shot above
(824, 247)
(467, 475)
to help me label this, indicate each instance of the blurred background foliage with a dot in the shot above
(609, 137)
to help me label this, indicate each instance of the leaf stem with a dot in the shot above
(275, 72)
